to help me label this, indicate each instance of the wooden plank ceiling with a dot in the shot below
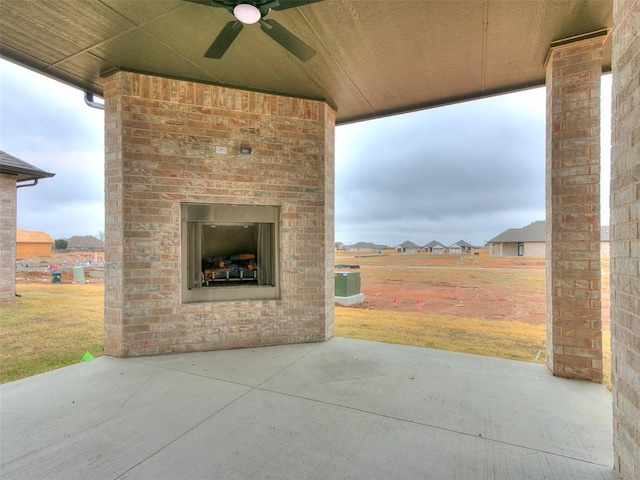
(374, 58)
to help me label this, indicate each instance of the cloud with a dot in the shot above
(465, 171)
(47, 124)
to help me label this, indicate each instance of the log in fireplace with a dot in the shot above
(229, 252)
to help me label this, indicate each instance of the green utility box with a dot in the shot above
(346, 283)
(56, 277)
(78, 274)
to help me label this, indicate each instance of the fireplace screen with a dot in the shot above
(230, 252)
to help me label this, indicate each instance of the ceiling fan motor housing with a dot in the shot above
(247, 12)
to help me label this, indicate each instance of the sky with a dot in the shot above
(463, 172)
(47, 124)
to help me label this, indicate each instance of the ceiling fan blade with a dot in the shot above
(284, 4)
(210, 3)
(224, 40)
(287, 39)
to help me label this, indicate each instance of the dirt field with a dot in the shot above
(488, 288)
(39, 269)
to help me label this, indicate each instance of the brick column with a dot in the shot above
(574, 330)
(7, 238)
(625, 232)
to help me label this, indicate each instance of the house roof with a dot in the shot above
(434, 243)
(22, 170)
(86, 241)
(408, 244)
(28, 236)
(374, 58)
(365, 245)
(462, 243)
(535, 232)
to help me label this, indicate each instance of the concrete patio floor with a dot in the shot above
(343, 409)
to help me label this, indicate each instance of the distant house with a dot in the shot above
(14, 174)
(435, 247)
(87, 243)
(32, 244)
(407, 247)
(364, 247)
(466, 246)
(460, 247)
(529, 241)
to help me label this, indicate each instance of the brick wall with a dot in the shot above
(161, 139)
(7, 237)
(574, 330)
(625, 234)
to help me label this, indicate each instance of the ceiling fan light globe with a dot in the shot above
(246, 13)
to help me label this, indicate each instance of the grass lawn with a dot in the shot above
(512, 340)
(50, 326)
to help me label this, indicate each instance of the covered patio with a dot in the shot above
(254, 127)
(342, 409)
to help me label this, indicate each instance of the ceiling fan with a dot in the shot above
(253, 11)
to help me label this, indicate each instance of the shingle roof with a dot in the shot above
(462, 243)
(408, 244)
(87, 241)
(365, 245)
(535, 232)
(23, 170)
(434, 243)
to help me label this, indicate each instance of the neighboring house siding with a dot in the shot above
(28, 250)
(511, 249)
(534, 249)
(507, 249)
(7, 238)
(531, 249)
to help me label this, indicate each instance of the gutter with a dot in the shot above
(88, 99)
(35, 182)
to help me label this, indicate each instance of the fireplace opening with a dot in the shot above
(229, 252)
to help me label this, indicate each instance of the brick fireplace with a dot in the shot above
(195, 175)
